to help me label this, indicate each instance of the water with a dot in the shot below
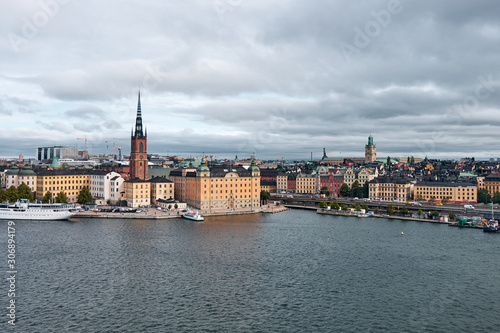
(290, 272)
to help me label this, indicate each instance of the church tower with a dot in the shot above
(370, 151)
(138, 149)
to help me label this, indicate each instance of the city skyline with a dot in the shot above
(236, 77)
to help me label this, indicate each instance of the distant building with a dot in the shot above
(370, 151)
(490, 183)
(15, 177)
(47, 153)
(161, 189)
(100, 185)
(307, 184)
(454, 191)
(391, 188)
(138, 150)
(69, 181)
(137, 192)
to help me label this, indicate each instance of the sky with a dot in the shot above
(280, 78)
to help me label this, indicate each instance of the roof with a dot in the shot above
(137, 180)
(160, 180)
(69, 172)
(223, 170)
(445, 184)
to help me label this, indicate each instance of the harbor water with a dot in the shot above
(295, 271)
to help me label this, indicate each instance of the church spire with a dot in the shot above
(138, 119)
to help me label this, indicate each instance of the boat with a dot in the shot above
(362, 215)
(492, 225)
(25, 210)
(194, 216)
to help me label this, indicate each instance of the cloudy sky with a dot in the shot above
(278, 78)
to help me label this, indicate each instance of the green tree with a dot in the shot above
(84, 197)
(61, 197)
(357, 208)
(47, 198)
(322, 204)
(452, 215)
(324, 190)
(377, 210)
(435, 214)
(365, 207)
(169, 207)
(496, 197)
(390, 209)
(176, 206)
(366, 189)
(12, 194)
(264, 196)
(388, 160)
(404, 211)
(3, 195)
(483, 196)
(344, 207)
(344, 190)
(420, 212)
(356, 190)
(412, 160)
(335, 205)
(25, 192)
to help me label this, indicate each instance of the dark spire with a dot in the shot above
(138, 120)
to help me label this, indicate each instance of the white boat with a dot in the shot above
(25, 210)
(362, 215)
(195, 216)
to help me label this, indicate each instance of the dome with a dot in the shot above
(203, 166)
(13, 171)
(253, 167)
(26, 171)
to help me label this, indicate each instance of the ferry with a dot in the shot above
(492, 225)
(25, 210)
(194, 216)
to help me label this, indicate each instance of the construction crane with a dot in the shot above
(119, 152)
(112, 141)
(283, 160)
(85, 152)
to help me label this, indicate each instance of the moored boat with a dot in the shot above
(194, 216)
(25, 210)
(492, 225)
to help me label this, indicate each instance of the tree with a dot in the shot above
(412, 160)
(365, 207)
(404, 211)
(390, 209)
(322, 205)
(61, 197)
(264, 196)
(25, 192)
(169, 207)
(324, 190)
(483, 196)
(452, 215)
(420, 212)
(335, 205)
(84, 197)
(388, 160)
(435, 214)
(496, 197)
(356, 190)
(3, 195)
(12, 194)
(344, 190)
(176, 206)
(47, 197)
(366, 188)
(344, 207)
(357, 208)
(377, 210)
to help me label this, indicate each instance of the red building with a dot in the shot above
(292, 182)
(333, 182)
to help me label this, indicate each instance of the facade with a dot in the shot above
(116, 189)
(391, 188)
(455, 191)
(138, 148)
(268, 185)
(137, 192)
(223, 187)
(490, 183)
(280, 178)
(171, 204)
(370, 151)
(178, 176)
(161, 189)
(47, 153)
(15, 177)
(70, 182)
(332, 182)
(100, 184)
(306, 184)
(291, 182)
(361, 175)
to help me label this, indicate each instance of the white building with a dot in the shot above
(100, 184)
(116, 189)
(15, 177)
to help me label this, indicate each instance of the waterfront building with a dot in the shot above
(117, 189)
(307, 184)
(490, 183)
(268, 185)
(69, 181)
(333, 181)
(291, 182)
(15, 177)
(280, 178)
(223, 186)
(391, 188)
(100, 185)
(370, 151)
(161, 189)
(362, 175)
(171, 204)
(137, 192)
(454, 191)
(178, 177)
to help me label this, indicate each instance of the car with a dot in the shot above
(138, 210)
(439, 204)
(385, 215)
(355, 198)
(366, 200)
(417, 204)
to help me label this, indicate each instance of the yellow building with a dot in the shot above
(490, 183)
(70, 182)
(137, 192)
(390, 189)
(465, 192)
(223, 187)
(306, 184)
(161, 188)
